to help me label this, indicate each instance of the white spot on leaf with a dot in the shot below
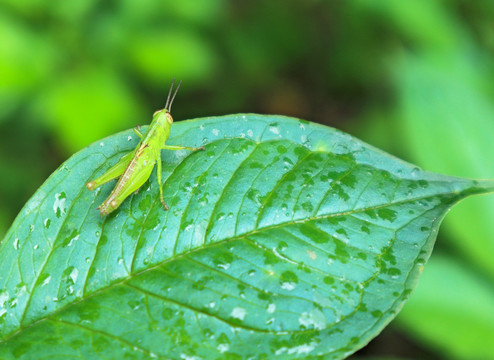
(274, 129)
(59, 204)
(46, 282)
(315, 319)
(239, 313)
(223, 347)
(312, 254)
(288, 286)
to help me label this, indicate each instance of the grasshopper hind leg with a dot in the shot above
(112, 173)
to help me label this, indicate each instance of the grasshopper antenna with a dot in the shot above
(174, 94)
(169, 93)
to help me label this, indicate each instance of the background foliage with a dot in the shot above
(413, 78)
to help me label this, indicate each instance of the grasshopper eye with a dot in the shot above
(169, 118)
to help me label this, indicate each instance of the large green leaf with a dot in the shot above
(284, 238)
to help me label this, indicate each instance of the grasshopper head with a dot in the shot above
(166, 113)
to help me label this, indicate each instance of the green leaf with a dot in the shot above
(283, 238)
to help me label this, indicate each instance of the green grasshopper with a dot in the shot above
(135, 167)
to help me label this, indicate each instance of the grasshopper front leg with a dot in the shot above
(158, 172)
(179, 147)
(137, 131)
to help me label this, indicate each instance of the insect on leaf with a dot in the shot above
(283, 238)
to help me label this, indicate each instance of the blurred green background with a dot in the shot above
(414, 78)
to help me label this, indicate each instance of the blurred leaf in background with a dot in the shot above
(87, 105)
(412, 77)
(452, 310)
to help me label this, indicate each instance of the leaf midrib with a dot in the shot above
(216, 243)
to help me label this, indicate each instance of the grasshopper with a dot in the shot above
(135, 167)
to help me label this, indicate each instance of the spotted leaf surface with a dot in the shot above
(283, 238)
